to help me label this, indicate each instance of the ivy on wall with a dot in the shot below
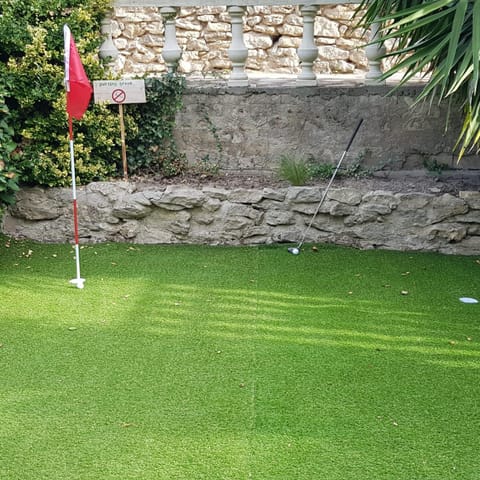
(152, 148)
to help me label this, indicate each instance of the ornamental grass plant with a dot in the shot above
(294, 170)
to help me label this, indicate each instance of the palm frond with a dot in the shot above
(475, 48)
(441, 37)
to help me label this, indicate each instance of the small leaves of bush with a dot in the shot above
(152, 146)
(32, 70)
(8, 174)
(433, 166)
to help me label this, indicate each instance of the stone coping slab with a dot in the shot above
(223, 3)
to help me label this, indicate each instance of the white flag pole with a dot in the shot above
(78, 281)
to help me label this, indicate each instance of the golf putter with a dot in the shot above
(296, 250)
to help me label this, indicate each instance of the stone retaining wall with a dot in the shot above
(250, 129)
(211, 215)
(272, 36)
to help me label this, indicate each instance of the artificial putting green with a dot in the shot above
(196, 362)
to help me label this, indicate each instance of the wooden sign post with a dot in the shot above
(123, 142)
(120, 92)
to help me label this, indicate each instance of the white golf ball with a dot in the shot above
(295, 251)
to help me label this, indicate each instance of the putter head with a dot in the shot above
(294, 250)
(78, 282)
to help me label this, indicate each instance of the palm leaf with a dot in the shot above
(416, 25)
(464, 72)
(470, 134)
(415, 13)
(458, 22)
(441, 37)
(476, 47)
(412, 64)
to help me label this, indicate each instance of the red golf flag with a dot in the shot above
(79, 88)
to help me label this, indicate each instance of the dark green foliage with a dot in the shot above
(32, 70)
(322, 170)
(31, 67)
(438, 37)
(8, 175)
(152, 147)
(434, 166)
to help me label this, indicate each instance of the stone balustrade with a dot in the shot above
(355, 216)
(306, 38)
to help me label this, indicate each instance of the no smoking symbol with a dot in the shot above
(119, 95)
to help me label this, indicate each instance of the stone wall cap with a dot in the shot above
(223, 3)
(278, 88)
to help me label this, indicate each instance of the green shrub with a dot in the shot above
(325, 171)
(299, 171)
(205, 167)
(321, 170)
(434, 166)
(8, 174)
(31, 66)
(32, 70)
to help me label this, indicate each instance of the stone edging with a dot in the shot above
(211, 215)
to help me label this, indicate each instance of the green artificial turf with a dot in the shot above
(191, 362)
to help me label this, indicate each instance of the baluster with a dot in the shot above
(171, 52)
(374, 51)
(238, 51)
(107, 48)
(308, 51)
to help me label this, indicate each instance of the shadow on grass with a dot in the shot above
(256, 316)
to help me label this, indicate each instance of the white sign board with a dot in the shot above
(119, 91)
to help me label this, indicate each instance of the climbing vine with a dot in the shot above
(152, 146)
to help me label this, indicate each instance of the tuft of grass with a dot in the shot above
(294, 170)
(198, 362)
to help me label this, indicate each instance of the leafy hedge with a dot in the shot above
(8, 175)
(32, 76)
(34, 145)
